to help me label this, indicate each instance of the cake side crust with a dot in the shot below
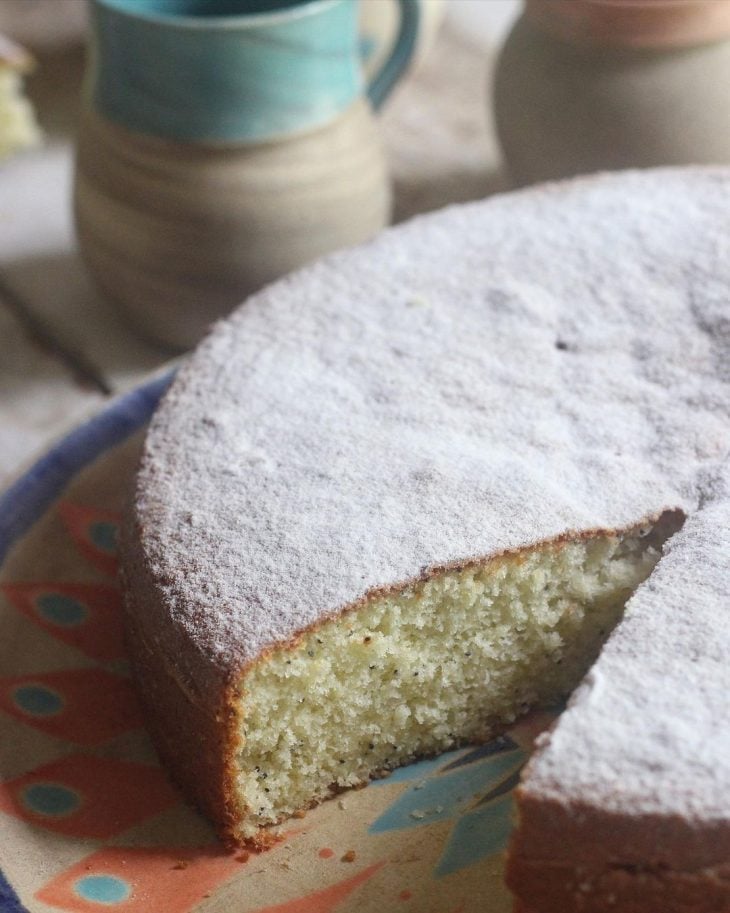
(628, 889)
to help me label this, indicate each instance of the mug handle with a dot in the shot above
(383, 83)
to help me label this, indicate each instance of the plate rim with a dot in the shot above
(30, 496)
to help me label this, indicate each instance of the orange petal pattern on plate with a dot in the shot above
(136, 880)
(86, 616)
(86, 796)
(83, 706)
(94, 532)
(326, 900)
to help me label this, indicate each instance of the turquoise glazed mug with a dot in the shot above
(233, 70)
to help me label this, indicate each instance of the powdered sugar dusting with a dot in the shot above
(473, 381)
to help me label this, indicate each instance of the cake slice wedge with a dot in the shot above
(612, 815)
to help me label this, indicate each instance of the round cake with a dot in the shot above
(404, 495)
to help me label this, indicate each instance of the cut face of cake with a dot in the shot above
(403, 496)
(455, 658)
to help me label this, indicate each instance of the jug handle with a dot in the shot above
(384, 81)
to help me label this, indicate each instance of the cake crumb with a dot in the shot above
(243, 857)
(180, 864)
(418, 815)
(341, 804)
(299, 813)
(349, 856)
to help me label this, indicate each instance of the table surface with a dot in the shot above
(63, 349)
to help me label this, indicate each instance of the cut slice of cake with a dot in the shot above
(402, 496)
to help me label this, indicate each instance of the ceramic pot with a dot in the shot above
(217, 152)
(178, 234)
(587, 85)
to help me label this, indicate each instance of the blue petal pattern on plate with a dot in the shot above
(472, 789)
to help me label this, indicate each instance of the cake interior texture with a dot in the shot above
(451, 659)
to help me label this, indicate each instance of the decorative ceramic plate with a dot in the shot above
(89, 821)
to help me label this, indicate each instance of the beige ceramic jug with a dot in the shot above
(224, 143)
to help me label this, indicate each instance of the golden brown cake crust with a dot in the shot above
(195, 729)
